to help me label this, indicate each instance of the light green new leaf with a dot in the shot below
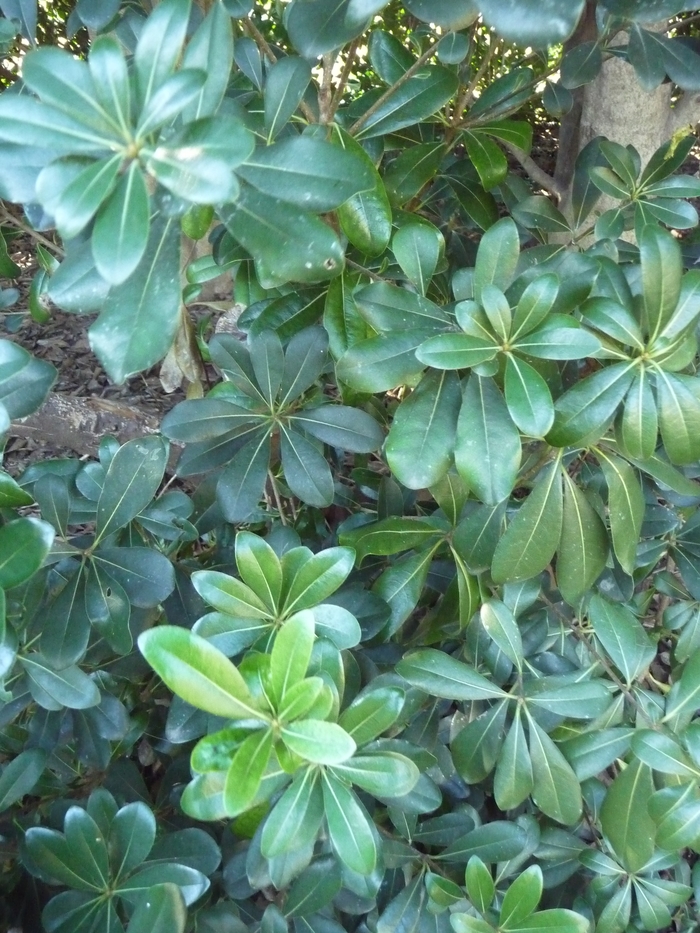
(487, 451)
(383, 775)
(583, 548)
(529, 542)
(625, 817)
(422, 434)
(441, 675)
(246, 771)
(351, 830)
(291, 653)
(227, 594)
(323, 743)
(259, 567)
(316, 578)
(521, 898)
(372, 713)
(479, 884)
(625, 508)
(198, 672)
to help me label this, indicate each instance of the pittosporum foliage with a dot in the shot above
(414, 645)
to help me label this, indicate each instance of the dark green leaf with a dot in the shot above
(417, 98)
(24, 544)
(440, 675)
(583, 549)
(625, 818)
(306, 470)
(532, 537)
(20, 775)
(625, 508)
(625, 642)
(349, 827)
(528, 22)
(528, 398)
(581, 64)
(583, 413)
(241, 483)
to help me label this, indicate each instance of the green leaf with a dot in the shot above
(131, 837)
(198, 672)
(72, 190)
(422, 434)
(139, 319)
(625, 818)
(456, 351)
(389, 536)
(259, 568)
(497, 257)
(383, 775)
(229, 595)
(624, 639)
(487, 451)
(583, 549)
(291, 654)
(532, 537)
(146, 575)
(500, 625)
(684, 693)
(479, 884)
(317, 578)
(131, 482)
(487, 158)
(557, 99)
(311, 173)
(314, 889)
(296, 818)
(349, 827)
(449, 14)
(534, 304)
(411, 171)
(388, 57)
(417, 248)
(558, 340)
(319, 742)
(315, 30)
(521, 898)
(582, 413)
(661, 262)
(531, 23)
(64, 642)
(513, 780)
(419, 97)
(53, 690)
(528, 398)
(343, 427)
(676, 813)
(20, 775)
(441, 675)
(365, 218)
(593, 752)
(662, 753)
(266, 226)
(625, 508)
(556, 790)
(372, 713)
(679, 417)
(538, 212)
(637, 427)
(388, 309)
(496, 841)
(160, 45)
(162, 910)
(402, 584)
(246, 771)
(381, 363)
(241, 483)
(476, 748)
(24, 544)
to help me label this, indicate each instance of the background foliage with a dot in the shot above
(414, 645)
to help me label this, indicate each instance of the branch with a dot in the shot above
(326, 89)
(264, 47)
(538, 175)
(344, 75)
(7, 218)
(418, 63)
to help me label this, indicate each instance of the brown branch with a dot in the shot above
(264, 47)
(538, 175)
(343, 80)
(418, 63)
(7, 218)
(326, 90)
(468, 92)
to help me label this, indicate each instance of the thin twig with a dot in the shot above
(468, 91)
(264, 47)
(537, 174)
(418, 63)
(372, 275)
(8, 218)
(343, 80)
(278, 498)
